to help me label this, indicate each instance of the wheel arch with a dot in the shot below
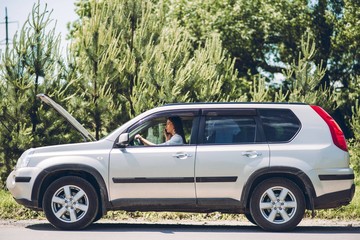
(295, 175)
(90, 174)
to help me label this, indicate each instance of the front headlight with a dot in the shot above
(24, 159)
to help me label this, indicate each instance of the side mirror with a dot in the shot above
(123, 140)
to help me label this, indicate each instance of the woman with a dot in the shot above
(174, 133)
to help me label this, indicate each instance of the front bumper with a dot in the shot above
(20, 184)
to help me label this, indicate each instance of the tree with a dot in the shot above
(95, 52)
(305, 76)
(302, 79)
(345, 61)
(131, 58)
(260, 34)
(32, 66)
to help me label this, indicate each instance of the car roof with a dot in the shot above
(226, 105)
(234, 103)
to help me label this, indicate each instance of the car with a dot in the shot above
(268, 161)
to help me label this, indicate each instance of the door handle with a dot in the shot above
(251, 154)
(181, 155)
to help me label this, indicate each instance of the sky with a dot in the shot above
(19, 10)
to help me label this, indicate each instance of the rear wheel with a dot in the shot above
(70, 203)
(277, 204)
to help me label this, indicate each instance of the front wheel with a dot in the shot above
(277, 204)
(70, 203)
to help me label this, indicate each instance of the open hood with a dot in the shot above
(67, 116)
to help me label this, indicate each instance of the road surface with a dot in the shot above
(111, 230)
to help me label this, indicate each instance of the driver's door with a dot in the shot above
(153, 175)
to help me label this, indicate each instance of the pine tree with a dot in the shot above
(96, 51)
(30, 67)
(302, 82)
(132, 58)
(305, 78)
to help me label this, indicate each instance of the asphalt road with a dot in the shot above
(105, 230)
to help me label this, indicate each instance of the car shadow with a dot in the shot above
(173, 228)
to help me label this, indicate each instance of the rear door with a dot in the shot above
(231, 147)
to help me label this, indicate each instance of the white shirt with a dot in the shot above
(176, 139)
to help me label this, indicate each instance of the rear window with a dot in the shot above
(280, 125)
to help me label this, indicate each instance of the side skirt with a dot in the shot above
(178, 205)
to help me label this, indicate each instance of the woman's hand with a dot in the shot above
(138, 139)
(143, 140)
(167, 135)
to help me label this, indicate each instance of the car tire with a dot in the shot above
(70, 203)
(277, 204)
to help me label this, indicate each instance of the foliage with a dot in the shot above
(9, 209)
(259, 34)
(302, 81)
(207, 76)
(344, 61)
(264, 35)
(31, 66)
(139, 60)
(96, 65)
(345, 57)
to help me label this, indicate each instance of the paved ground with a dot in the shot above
(137, 230)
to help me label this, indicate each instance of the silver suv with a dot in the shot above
(267, 161)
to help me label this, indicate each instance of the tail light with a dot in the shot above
(336, 132)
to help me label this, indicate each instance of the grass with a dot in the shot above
(349, 212)
(9, 209)
(161, 216)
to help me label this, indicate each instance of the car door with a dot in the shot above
(230, 149)
(154, 175)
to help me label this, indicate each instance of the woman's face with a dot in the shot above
(169, 126)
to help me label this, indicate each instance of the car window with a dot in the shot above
(280, 125)
(153, 128)
(229, 129)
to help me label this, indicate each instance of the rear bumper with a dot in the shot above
(335, 199)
